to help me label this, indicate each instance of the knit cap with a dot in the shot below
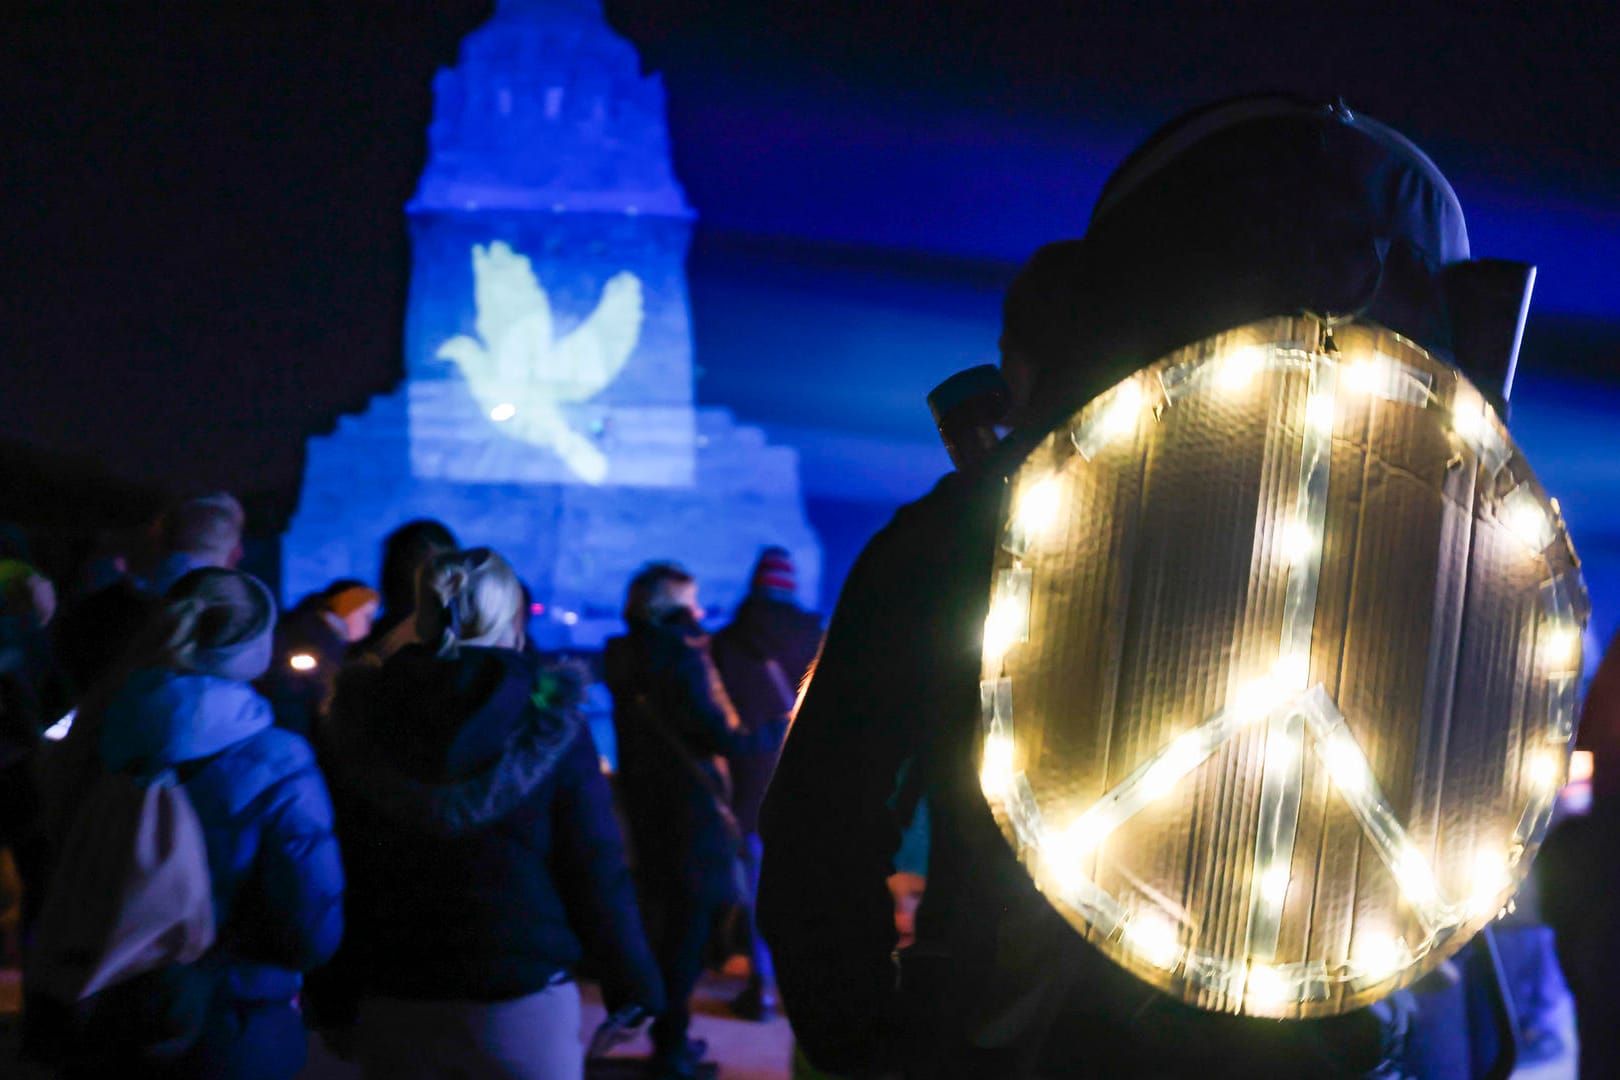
(774, 572)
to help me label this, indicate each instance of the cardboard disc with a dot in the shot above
(1280, 668)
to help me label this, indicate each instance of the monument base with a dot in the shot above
(574, 544)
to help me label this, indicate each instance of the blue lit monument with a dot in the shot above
(547, 409)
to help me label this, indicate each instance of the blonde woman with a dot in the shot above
(483, 856)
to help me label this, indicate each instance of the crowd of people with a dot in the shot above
(380, 816)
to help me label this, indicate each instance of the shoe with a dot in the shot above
(681, 1063)
(755, 1004)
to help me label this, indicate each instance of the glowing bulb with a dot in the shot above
(1298, 542)
(1078, 840)
(1542, 771)
(1362, 376)
(1257, 699)
(1527, 519)
(301, 662)
(1292, 671)
(1319, 413)
(1153, 937)
(1490, 879)
(1379, 956)
(1266, 986)
(1123, 410)
(1344, 762)
(1468, 420)
(570, 618)
(1281, 753)
(1239, 366)
(1561, 649)
(996, 772)
(1000, 628)
(1038, 507)
(1413, 875)
(1580, 767)
(503, 412)
(1274, 881)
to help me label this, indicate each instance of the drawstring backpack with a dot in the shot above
(127, 912)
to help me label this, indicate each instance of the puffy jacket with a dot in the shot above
(273, 860)
(484, 859)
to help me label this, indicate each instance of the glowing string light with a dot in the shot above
(1038, 507)
(1154, 938)
(301, 662)
(503, 412)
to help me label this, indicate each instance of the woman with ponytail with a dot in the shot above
(180, 702)
(484, 861)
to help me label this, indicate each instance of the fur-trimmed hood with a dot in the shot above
(448, 745)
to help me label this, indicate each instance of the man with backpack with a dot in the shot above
(1250, 208)
(197, 875)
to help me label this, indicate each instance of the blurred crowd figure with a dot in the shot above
(413, 727)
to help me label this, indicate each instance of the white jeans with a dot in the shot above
(528, 1038)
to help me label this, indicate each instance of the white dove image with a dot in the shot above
(520, 372)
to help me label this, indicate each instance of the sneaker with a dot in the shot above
(679, 1064)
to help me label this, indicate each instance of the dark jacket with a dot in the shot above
(484, 859)
(674, 725)
(763, 655)
(997, 984)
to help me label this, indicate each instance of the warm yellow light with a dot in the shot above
(996, 771)
(1038, 507)
(1345, 763)
(1363, 375)
(1274, 884)
(1281, 753)
(1298, 542)
(1258, 698)
(1319, 412)
(1416, 880)
(1069, 845)
(1292, 672)
(1561, 648)
(1000, 629)
(1237, 368)
(302, 661)
(1490, 879)
(1266, 987)
(1529, 522)
(1154, 938)
(1378, 956)
(1121, 414)
(1580, 767)
(1468, 420)
(1542, 770)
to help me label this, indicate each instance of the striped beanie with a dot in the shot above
(774, 572)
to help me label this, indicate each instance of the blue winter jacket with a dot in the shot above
(266, 817)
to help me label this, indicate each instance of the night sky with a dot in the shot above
(205, 258)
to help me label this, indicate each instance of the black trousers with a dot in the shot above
(680, 920)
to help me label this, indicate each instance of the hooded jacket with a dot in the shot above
(484, 859)
(273, 861)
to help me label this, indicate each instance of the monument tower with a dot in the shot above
(547, 409)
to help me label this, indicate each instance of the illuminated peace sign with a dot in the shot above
(1279, 669)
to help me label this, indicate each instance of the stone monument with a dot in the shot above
(547, 409)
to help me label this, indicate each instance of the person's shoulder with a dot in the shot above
(269, 761)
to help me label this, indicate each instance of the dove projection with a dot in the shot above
(520, 371)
